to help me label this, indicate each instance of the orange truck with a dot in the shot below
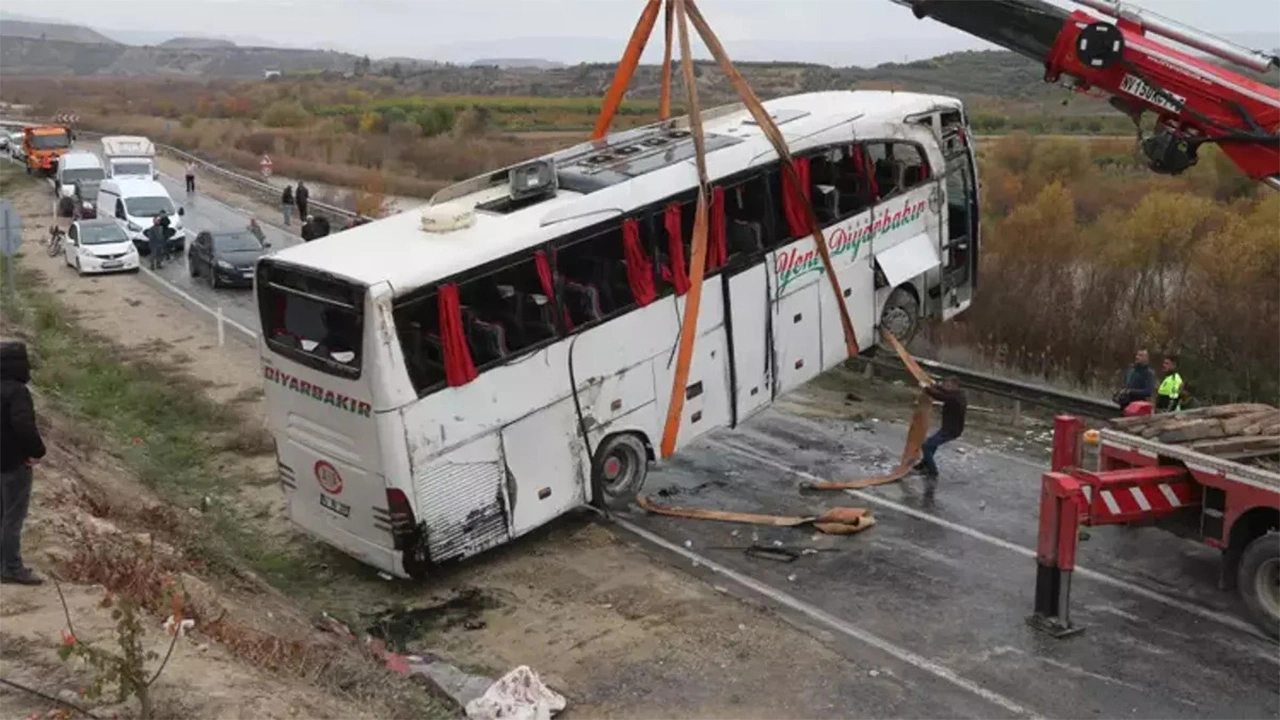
(43, 145)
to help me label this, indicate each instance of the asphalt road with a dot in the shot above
(932, 600)
(944, 588)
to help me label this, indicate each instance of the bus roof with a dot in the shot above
(397, 250)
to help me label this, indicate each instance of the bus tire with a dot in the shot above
(620, 467)
(1258, 579)
(900, 316)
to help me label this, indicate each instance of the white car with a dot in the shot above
(15, 147)
(4, 141)
(99, 246)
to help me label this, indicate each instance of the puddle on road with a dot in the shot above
(399, 627)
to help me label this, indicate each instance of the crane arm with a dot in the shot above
(1195, 101)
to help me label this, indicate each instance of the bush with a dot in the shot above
(188, 121)
(285, 113)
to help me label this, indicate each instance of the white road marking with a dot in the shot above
(192, 301)
(833, 622)
(1207, 614)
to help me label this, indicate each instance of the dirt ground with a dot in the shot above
(616, 629)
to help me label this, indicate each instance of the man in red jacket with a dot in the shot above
(20, 449)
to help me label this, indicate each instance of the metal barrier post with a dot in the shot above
(222, 330)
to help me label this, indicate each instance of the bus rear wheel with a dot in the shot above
(1259, 581)
(620, 467)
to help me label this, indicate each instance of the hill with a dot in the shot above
(197, 43)
(56, 32)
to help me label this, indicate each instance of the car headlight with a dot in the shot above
(135, 227)
(225, 265)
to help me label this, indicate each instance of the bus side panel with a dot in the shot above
(462, 498)
(798, 335)
(547, 465)
(858, 288)
(706, 392)
(749, 312)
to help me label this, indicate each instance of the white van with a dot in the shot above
(73, 168)
(134, 203)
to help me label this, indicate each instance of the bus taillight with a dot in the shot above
(403, 525)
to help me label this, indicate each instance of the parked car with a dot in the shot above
(4, 141)
(86, 199)
(15, 147)
(225, 257)
(98, 246)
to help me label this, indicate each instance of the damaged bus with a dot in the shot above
(444, 380)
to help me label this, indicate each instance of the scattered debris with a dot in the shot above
(695, 490)
(400, 626)
(519, 695)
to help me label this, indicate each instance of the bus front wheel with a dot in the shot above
(620, 467)
(900, 316)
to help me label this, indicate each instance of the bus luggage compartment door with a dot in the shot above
(749, 321)
(462, 500)
(547, 467)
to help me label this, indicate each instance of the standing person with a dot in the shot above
(301, 196)
(156, 242)
(286, 203)
(20, 450)
(1169, 394)
(1139, 381)
(191, 177)
(954, 407)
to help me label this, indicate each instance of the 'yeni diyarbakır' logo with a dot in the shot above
(328, 477)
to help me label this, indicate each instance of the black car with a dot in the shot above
(225, 257)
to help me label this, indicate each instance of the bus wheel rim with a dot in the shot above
(897, 321)
(1267, 584)
(619, 472)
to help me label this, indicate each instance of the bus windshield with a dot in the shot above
(314, 318)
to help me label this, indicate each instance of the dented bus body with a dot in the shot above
(445, 380)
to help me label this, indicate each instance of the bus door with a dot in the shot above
(960, 239)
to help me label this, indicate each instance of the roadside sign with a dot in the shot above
(10, 229)
(265, 165)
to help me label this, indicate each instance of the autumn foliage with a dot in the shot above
(1087, 255)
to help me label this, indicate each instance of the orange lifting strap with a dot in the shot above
(683, 10)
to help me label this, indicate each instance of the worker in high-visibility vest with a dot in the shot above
(1169, 394)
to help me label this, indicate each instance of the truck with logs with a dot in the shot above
(1211, 473)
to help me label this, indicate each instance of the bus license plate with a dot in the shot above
(1134, 86)
(341, 508)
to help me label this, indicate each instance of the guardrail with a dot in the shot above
(266, 191)
(1016, 390)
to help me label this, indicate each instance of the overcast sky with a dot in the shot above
(833, 31)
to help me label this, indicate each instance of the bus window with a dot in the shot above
(505, 312)
(840, 189)
(750, 217)
(594, 274)
(418, 326)
(317, 320)
(899, 167)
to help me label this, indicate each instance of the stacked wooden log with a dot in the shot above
(1245, 432)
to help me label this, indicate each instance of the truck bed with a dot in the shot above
(1241, 441)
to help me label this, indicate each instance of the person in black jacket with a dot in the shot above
(308, 229)
(20, 449)
(156, 243)
(286, 203)
(1139, 381)
(300, 197)
(954, 407)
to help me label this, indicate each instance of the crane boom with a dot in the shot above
(1195, 100)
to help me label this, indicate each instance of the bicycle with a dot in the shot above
(56, 236)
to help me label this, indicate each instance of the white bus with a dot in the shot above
(444, 380)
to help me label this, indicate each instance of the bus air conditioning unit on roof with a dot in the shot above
(536, 178)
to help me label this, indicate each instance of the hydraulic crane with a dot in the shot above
(1194, 99)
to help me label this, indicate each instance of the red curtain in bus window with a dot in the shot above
(639, 269)
(863, 166)
(458, 366)
(675, 248)
(717, 230)
(548, 287)
(797, 218)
